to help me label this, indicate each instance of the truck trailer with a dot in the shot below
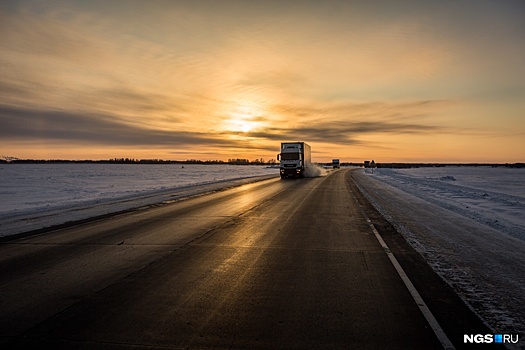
(294, 159)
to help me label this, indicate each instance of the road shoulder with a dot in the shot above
(454, 316)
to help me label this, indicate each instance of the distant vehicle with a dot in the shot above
(295, 158)
(336, 164)
(370, 164)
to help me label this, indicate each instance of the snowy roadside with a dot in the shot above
(481, 257)
(35, 219)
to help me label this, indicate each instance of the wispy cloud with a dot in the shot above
(345, 133)
(94, 129)
(348, 123)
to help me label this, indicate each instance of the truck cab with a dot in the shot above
(294, 159)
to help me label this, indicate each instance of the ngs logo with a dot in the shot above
(490, 338)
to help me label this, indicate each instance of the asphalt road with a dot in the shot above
(277, 264)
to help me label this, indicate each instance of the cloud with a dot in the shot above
(104, 129)
(348, 133)
(347, 123)
(95, 129)
(366, 111)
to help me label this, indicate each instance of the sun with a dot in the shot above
(242, 125)
(243, 119)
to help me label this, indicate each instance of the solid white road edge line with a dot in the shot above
(442, 337)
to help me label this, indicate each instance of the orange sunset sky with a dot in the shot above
(394, 81)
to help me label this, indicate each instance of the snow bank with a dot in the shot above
(468, 223)
(33, 196)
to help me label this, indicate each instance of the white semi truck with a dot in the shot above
(295, 158)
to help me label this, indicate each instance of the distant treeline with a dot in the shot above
(232, 161)
(431, 165)
(242, 161)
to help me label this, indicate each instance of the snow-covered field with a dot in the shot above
(33, 196)
(469, 224)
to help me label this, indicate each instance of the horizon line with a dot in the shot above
(233, 160)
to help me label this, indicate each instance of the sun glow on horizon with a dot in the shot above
(244, 118)
(240, 125)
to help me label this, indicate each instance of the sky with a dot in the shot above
(393, 81)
